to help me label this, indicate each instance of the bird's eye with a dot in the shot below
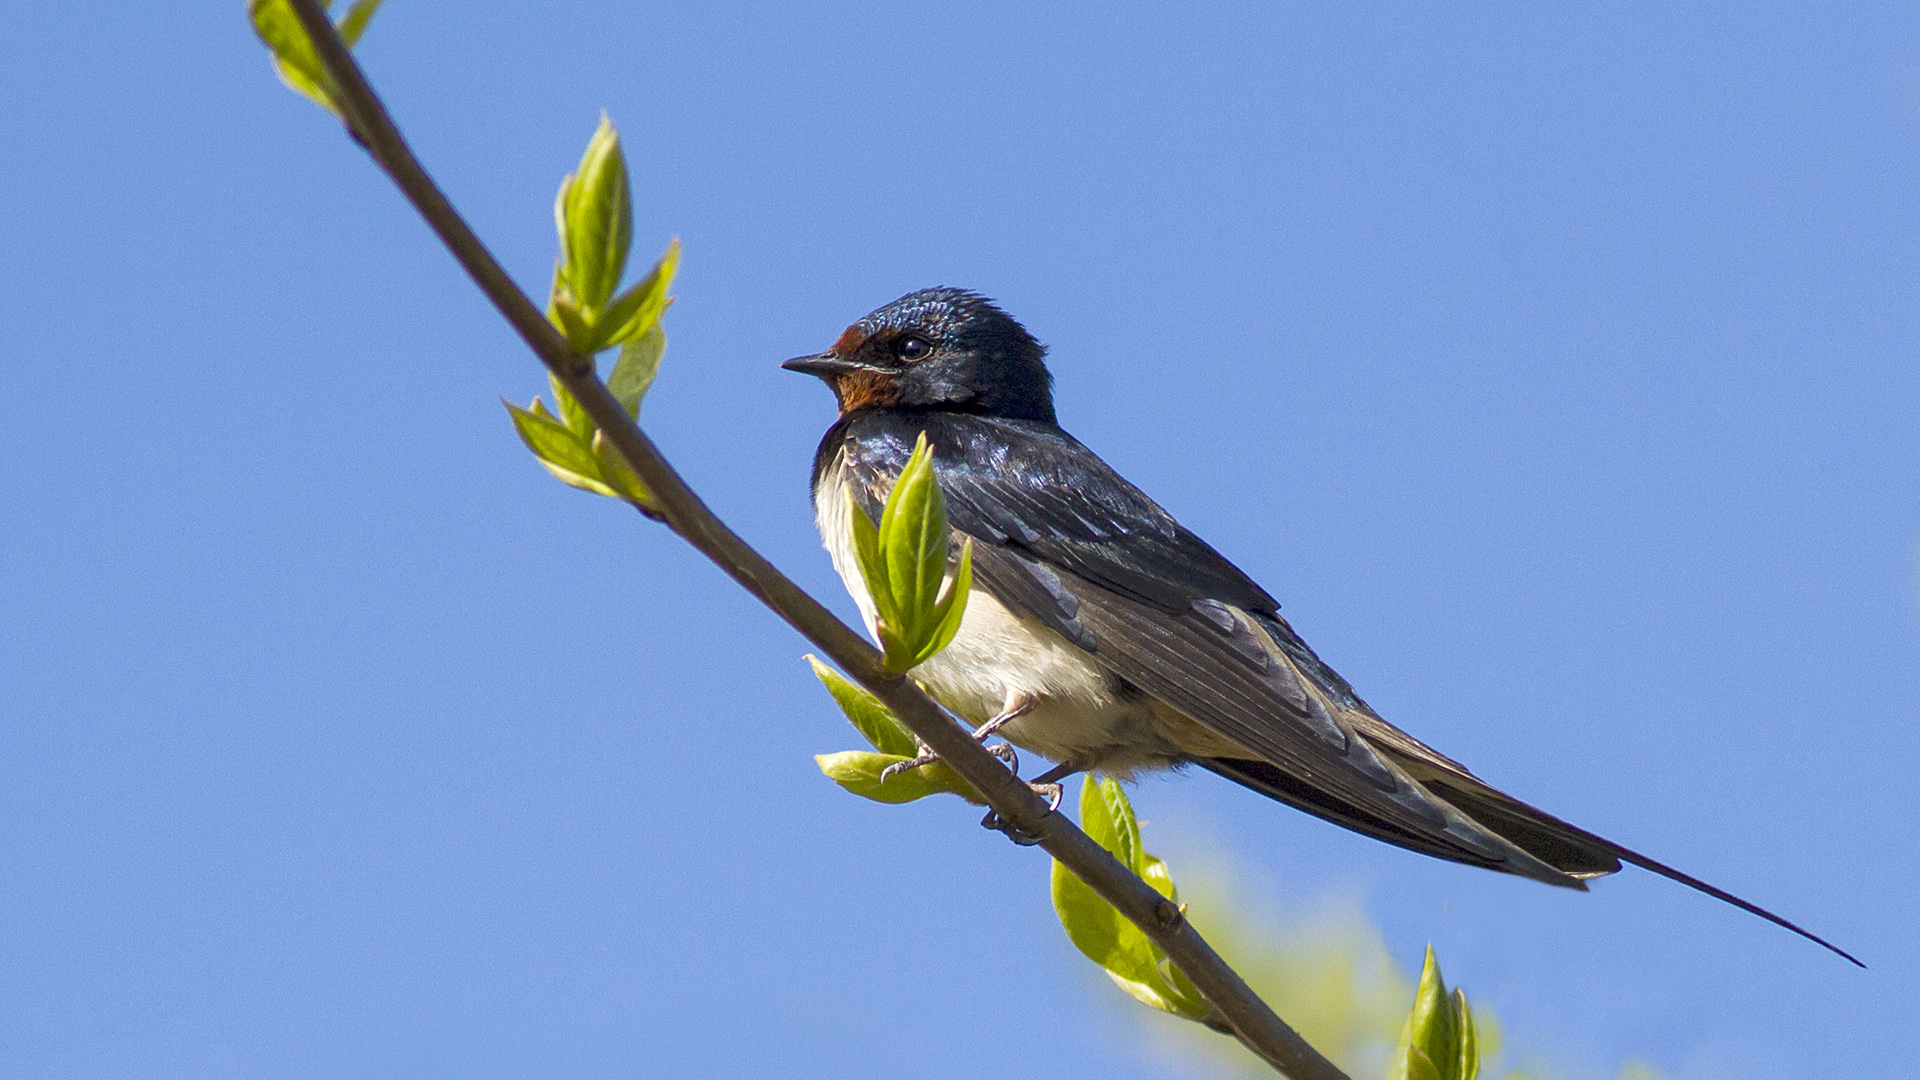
(913, 348)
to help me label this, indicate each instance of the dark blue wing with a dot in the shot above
(1034, 489)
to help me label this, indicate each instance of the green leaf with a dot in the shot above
(913, 539)
(1467, 1065)
(354, 23)
(1124, 826)
(571, 413)
(573, 323)
(293, 55)
(952, 607)
(563, 453)
(597, 226)
(1100, 932)
(633, 373)
(1154, 872)
(873, 567)
(616, 475)
(638, 310)
(903, 561)
(1439, 1041)
(875, 722)
(859, 772)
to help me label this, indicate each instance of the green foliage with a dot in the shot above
(860, 771)
(865, 774)
(594, 214)
(1107, 938)
(1438, 1041)
(904, 562)
(874, 721)
(579, 460)
(633, 373)
(293, 55)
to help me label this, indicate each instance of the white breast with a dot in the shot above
(998, 656)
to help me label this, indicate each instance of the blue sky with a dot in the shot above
(1555, 369)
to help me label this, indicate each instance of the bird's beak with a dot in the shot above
(825, 365)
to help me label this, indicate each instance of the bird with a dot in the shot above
(1102, 634)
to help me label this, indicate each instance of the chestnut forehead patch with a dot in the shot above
(850, 341)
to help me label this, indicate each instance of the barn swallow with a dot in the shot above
(1103, 635)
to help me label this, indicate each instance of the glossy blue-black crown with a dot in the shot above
(983, 361)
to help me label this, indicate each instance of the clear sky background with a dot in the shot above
(1557, 371)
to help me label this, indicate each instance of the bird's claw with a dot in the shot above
(1051, 792)
(902, 766)
(1004, 751)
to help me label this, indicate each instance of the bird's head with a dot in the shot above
(937, 349)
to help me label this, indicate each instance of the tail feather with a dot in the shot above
(1275, 783)
(1567, 848)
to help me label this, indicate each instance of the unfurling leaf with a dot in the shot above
(903, 562)
(874, 721)
(1439, 1041)
(859, 771)
(569, 458)
(873, 564)
(633, 373)
(1130, 958)
(1469, 1059)
(638, 310)
(913, 540)
(293, 54)
(573, 323)
(354, 22)
(594, 216)
(616, 475)
(571, 413)
(549, 439)
(595, 211)
(953, 606)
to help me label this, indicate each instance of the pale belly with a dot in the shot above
(1081, 713)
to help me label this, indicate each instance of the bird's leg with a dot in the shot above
(1019, 704)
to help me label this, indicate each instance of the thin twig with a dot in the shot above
(1252, 1021)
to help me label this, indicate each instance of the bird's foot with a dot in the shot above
(1048, 787)
(928, 757)
(1017, 707)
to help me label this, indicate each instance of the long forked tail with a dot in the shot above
(1533, 828)
(1692, 882)
(1567, 848)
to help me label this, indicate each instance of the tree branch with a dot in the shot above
(1161, 920)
